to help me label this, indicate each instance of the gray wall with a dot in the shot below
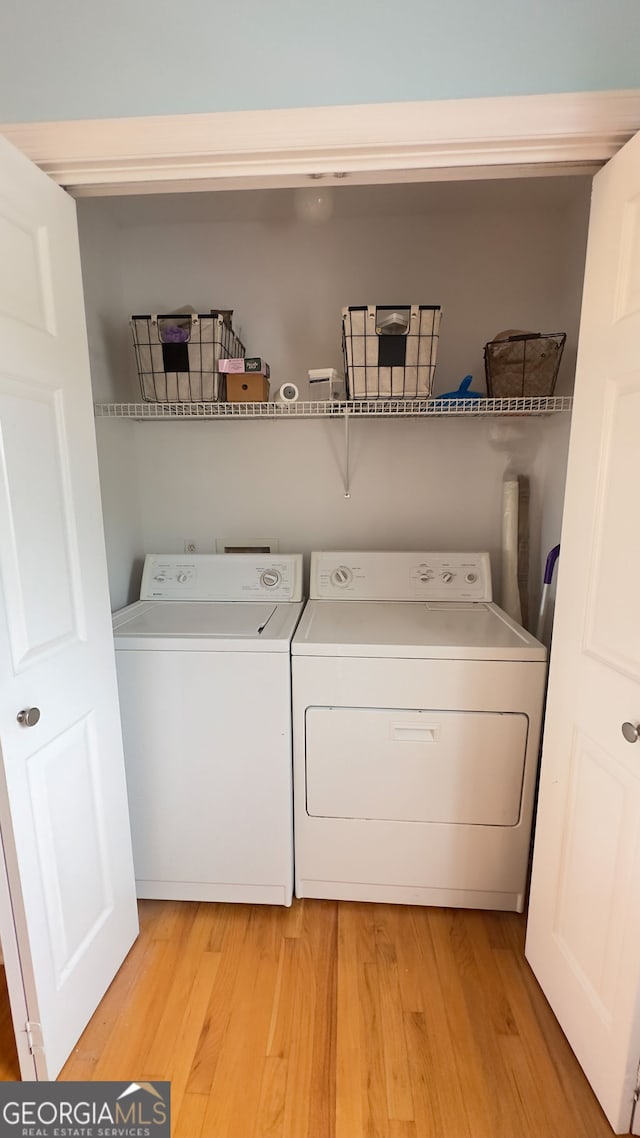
(506, 255)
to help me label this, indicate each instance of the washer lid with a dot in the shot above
(413, 629)
(206, 626)
(207, 619)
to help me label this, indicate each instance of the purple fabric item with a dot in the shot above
(172, 334)
(551, 562)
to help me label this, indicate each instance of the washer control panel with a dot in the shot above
(222, 577)
(401, 576)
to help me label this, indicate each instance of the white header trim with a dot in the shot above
(390, 141)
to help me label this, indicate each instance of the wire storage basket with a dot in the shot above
(390, 350)
(523, 365)
(177, 355)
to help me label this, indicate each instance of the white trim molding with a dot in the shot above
(373, 142)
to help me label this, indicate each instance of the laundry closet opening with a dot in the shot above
(496, 254)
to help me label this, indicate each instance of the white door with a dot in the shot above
(63, 809)
(583, 938)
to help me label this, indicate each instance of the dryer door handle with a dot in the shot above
(412, 733)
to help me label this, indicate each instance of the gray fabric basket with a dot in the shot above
(390, 350)
(177, 355)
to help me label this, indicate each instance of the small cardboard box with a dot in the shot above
(247, 387)
(242, 365)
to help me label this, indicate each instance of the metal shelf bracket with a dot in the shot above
(347, 475)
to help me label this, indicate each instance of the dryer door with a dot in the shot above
(416, 766)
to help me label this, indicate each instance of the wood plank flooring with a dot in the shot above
(337, 1020)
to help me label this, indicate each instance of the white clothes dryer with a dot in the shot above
(204, 676)
(417, 707)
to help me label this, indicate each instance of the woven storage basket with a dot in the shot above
(523, 365)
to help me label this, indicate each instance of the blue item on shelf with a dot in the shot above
(463, 391)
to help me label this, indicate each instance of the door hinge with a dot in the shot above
(34, 1036)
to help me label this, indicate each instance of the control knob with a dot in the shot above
(341, 576)
(447, 577)
(182, 577)
(270, 578)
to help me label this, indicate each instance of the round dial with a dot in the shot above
(471, 578)
(270, 578)
(447, 577)
(182, 577)
(341, 576)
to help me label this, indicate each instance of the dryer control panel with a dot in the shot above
(222, 577)
(368, 576)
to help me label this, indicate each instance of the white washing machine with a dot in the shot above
(204, 676)
(417, 708)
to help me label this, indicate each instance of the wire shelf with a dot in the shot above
(356, 409)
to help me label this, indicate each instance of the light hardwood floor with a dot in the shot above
(337, 1020)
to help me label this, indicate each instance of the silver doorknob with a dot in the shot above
(29, 716)
(631, 732)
